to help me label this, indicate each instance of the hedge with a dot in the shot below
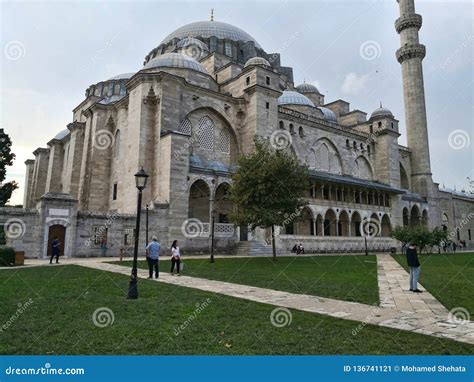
(7, 256)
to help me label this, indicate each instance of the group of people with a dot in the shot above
(298, 248)
(152, 251)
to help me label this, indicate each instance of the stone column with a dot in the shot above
(27, 201)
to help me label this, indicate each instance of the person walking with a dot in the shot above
(175, 257)
(55, 248)
(153, 257)
(103, 246)
(414, 264)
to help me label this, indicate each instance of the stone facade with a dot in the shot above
(199, 101)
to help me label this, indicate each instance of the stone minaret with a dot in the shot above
(410, 56)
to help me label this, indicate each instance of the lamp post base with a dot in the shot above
(133, 289)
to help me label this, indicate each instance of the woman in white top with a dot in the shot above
(175, 257)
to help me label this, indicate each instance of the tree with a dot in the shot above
(268, 187)
(420, 235)
(6, 159)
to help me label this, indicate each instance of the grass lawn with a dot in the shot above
(448, 277)
(64, 298)
(350, 278)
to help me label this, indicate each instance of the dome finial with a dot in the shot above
(212, 14)
(380, 104)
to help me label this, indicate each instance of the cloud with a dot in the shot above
(354, 84)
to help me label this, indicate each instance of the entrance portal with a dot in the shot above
(58, 231)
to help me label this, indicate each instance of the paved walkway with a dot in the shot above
(399, 308)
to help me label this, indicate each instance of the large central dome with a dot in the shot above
(206, 29)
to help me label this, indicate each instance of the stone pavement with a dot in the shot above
(399, 308)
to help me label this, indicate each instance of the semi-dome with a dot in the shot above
(328, 114)
(175, 60)
(257, 61)
(123, 76)
(290, 97)
(62, 134)
(307, 88)
(206, 29)
(381, 112)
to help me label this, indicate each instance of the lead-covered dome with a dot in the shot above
(290, 97)
(62, 134)
(123, 76)
(206, 29)
(381, 112)
(175, 60)
(257, 61)
(328, 114)
(307, 88)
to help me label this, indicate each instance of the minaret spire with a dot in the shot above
(410, 56)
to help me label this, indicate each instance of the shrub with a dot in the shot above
(7, 256)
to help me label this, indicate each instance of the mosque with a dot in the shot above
(202, 96)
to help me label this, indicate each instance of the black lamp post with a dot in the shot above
(141, 178)
(213, 219)
(146, 225)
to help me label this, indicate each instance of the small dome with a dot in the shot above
(307, 88)
(175, 60)
(328, 114)
(206, 29)
(62, 134)
(290, 97)
(123, 76)
(257, 61)
(381, 112)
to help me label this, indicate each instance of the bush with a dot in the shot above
(7, 256)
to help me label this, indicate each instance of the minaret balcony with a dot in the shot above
(408, 21)
(411, 51)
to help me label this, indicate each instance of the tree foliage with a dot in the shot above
(268, 186)
(422, 236)
(6, 159)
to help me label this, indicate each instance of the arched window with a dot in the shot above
(185, 127)
(347, 143)
(292, 129)
(368, 149)
(354, 145)
(117, 144)
(371, 129)
(224, 141)
(361, 146)
(380, 125)
(301, 132)
(282, 125)
(206, 133)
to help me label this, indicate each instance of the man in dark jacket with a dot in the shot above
(55, 247)
(414, 264)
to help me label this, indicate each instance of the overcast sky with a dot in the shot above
(52, 51)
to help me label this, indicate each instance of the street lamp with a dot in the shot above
(141, 178)
(146, 225)
(213, 219)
